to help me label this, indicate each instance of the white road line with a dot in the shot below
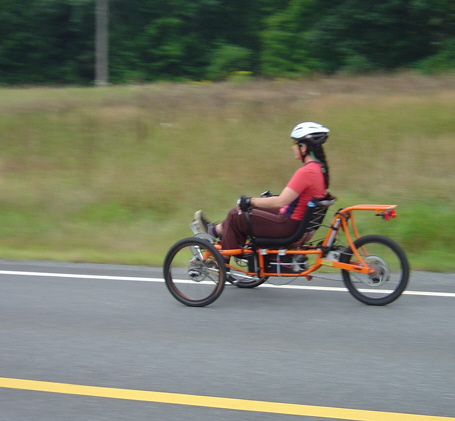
(78, 276)
(160, 280)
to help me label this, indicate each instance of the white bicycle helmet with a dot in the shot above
(310, 133)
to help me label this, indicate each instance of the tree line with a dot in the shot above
(52, 41)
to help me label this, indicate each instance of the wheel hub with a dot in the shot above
(380, 274)
(196, 270)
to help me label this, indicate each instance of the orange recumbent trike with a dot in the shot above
(374, 268)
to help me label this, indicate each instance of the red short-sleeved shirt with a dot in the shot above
(308, 181)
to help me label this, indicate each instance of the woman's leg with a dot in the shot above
(264, 223)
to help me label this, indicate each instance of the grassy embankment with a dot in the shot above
(115, 174)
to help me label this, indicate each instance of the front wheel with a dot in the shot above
(391, 270)
(194, 272)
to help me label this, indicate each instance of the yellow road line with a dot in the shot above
(214, 402)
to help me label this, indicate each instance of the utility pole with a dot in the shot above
(101, 43)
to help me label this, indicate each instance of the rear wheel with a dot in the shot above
(239, 278)
(245, 281)
(194, 272)
(391, 270)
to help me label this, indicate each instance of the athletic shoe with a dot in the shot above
(200, 223)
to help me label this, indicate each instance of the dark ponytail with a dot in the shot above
(319, 154)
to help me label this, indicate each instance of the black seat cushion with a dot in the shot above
(317, 208)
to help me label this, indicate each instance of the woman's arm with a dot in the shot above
(275, 202)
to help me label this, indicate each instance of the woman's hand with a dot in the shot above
(275, 202)
(244, 203)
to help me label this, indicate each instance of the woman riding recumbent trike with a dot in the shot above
(374, 268)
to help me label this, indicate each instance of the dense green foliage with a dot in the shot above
(52, 41)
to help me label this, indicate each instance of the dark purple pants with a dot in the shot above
(264, 222)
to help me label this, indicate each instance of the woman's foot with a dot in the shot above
(200, 223)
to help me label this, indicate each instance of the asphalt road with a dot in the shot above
(118, 329)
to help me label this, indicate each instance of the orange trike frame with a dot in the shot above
(322, 250)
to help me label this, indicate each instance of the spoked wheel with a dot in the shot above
(241, 280)
(391, 270)
(194, 272)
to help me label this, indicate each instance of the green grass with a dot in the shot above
(114, 174)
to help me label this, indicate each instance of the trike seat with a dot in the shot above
(317, 208)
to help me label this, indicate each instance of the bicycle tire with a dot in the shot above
(245, 283)
(392, 270)
(202, 280)
(237, 273)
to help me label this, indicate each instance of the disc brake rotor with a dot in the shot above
(380, 275)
